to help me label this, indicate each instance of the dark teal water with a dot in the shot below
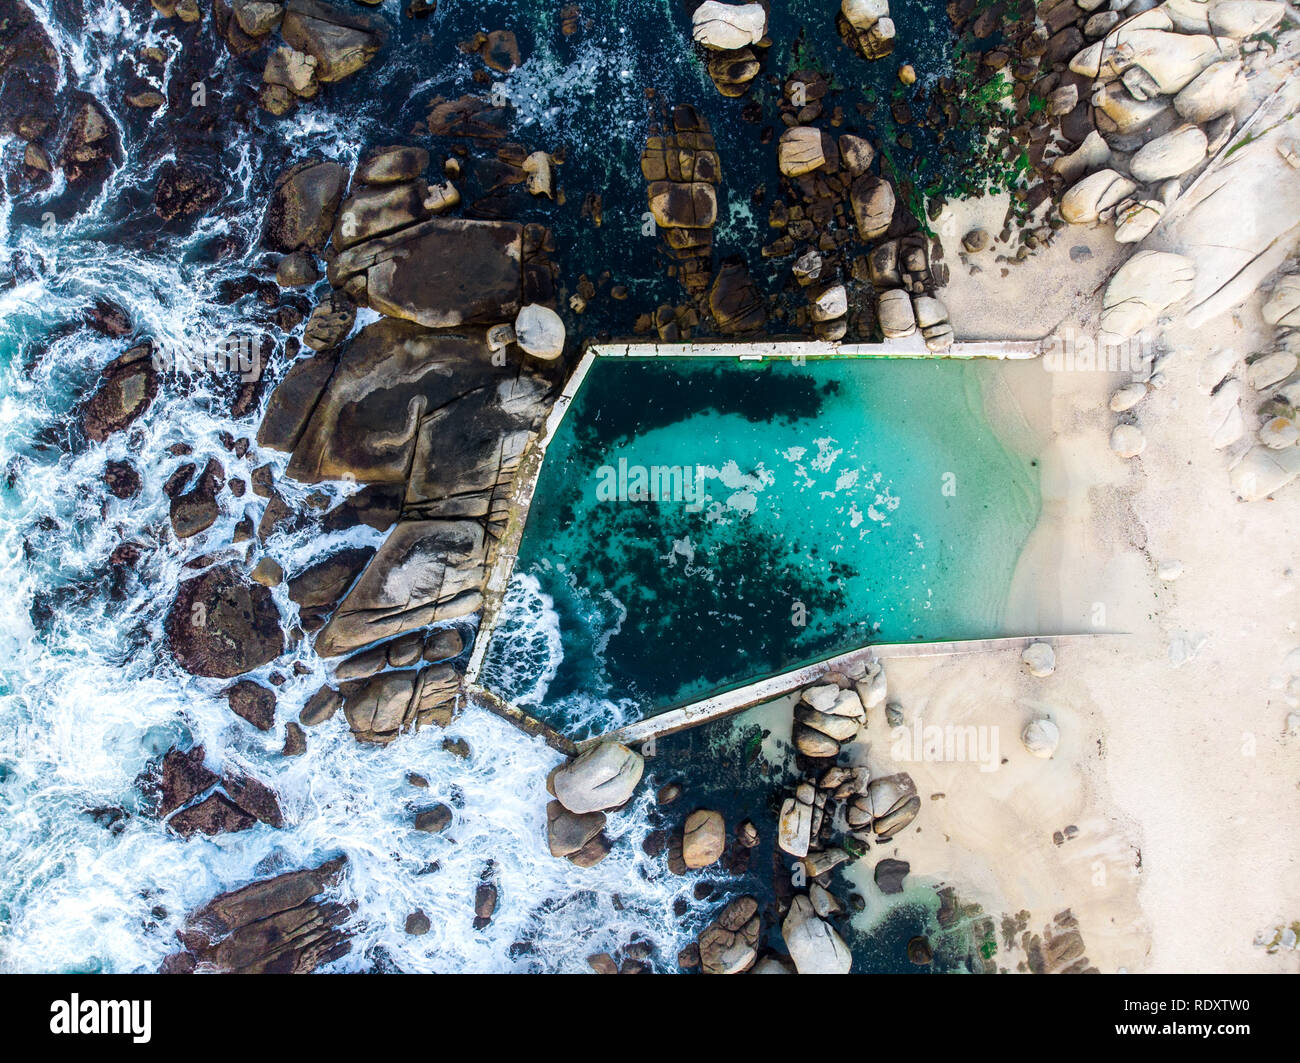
(838, 503)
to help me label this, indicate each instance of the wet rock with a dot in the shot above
(181, 778)
(341, 42)
(567, 832)
(296, 270)
(295, 740)
(281, 925)
(128, 385)
(440, 273)
(426, 572)
(729, 944)
(90, 146)
(735, 301)
(122, 479)
(215, 814)
(252, 702)
(919, 952)
(391, 165)
(603, 777)
(433, 820)
(303, 206)
(813, 944)
(683, 204)
(222, 626)
(196, 510)
(329, 323)
(289, 75)
(704, 838)
(317, 589)
(485, 898)
(382, 706)
(320, 707)
(417, 923)
(889, 875)
(183, 191)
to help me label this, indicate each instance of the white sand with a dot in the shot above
(1175, 771)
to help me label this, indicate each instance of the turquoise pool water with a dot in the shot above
(701, 523)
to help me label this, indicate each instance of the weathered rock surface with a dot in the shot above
(704, 838)
(340, 41)
(814, 945)
(603, 777)
(1142, 289)
(303, 206)
(1171, 155)
(441, 273)
(729, 944)
(221, 625)
(282, 925)
(128, 385)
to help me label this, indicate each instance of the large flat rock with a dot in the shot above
(389, 377)
(441, 273)
(426, 571)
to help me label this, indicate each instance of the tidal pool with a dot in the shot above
(699, 524)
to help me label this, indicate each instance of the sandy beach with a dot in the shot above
(1173, 766)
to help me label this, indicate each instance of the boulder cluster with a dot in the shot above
(728, 34)
(599, 779)
(842, 198)
(193, 799)
(1162, 84)
(867, 26)
(1273, 458)
(682, 170)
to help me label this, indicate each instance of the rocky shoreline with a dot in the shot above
(418, 334)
